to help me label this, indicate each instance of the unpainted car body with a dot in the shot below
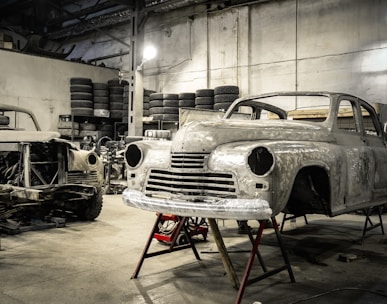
(301, 153)
(40, 171)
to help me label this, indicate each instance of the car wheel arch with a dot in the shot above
(310, 192)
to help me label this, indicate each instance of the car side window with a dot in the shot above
(368, 122)
(243, 112)
(251, 113)
(346, 117)
(267, 115)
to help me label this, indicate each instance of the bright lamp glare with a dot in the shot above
(149, 53)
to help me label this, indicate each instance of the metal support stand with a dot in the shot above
(173, 247)
(288, 217)
(367, 213)
(246, 281)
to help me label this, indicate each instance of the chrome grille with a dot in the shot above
(80, 177)
(188, 160)
(200, 184)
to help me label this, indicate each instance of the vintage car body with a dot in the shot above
(40, 171)
(304, 152)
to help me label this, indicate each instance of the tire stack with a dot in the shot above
(81, 90)
(187, 100)
(171, 107)
(66, 127)
(101, 99)
(125, 105)
(116, 98)
(87, 129)
(204, 99)
(224, 96)
(145, 107)
(164, 106)
(156, 106)
(105, 128)
(4, 120)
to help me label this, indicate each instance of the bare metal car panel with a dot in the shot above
(221, 208)
(327, 157)
(230, 131)
(26, 136)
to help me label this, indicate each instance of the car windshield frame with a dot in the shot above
(276, 102)
(13, 113)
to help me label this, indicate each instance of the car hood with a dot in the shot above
(27, 136)
(199, 136)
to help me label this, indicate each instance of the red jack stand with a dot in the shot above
(254, 252)
(169, 223)
(173, 245)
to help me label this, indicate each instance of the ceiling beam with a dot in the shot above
(84, 12)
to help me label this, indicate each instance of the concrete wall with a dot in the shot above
(334, 45)
(42, 84)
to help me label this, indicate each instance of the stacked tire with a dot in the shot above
(66, 127)
(105, 128)
(156, 106)
(204, 99)
(125, 105)
(171, 107)
(164, 106)
(116, 98)
(81, 90)
(187, 100)
(145, 106)
(101, 99)
(224, 96)
(87, 129)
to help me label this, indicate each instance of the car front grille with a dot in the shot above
(195, 185)
(188, 160)
(80, 177)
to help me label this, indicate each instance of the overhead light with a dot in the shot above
(149, 53)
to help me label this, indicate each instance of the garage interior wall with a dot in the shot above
(325, 45)
(43, 85)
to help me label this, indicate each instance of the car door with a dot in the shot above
(359, 163)
(373, 136)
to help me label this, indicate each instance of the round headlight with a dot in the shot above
(92, 158)
(133, 155)
(260, 160)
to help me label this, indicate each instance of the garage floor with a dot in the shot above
(92, 263)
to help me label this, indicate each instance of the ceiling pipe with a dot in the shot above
(93, 26)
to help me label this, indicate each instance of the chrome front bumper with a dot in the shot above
(238, 209)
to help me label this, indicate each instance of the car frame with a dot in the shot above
(41, 172)
(328, 157)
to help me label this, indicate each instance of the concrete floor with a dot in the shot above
(92, 263)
